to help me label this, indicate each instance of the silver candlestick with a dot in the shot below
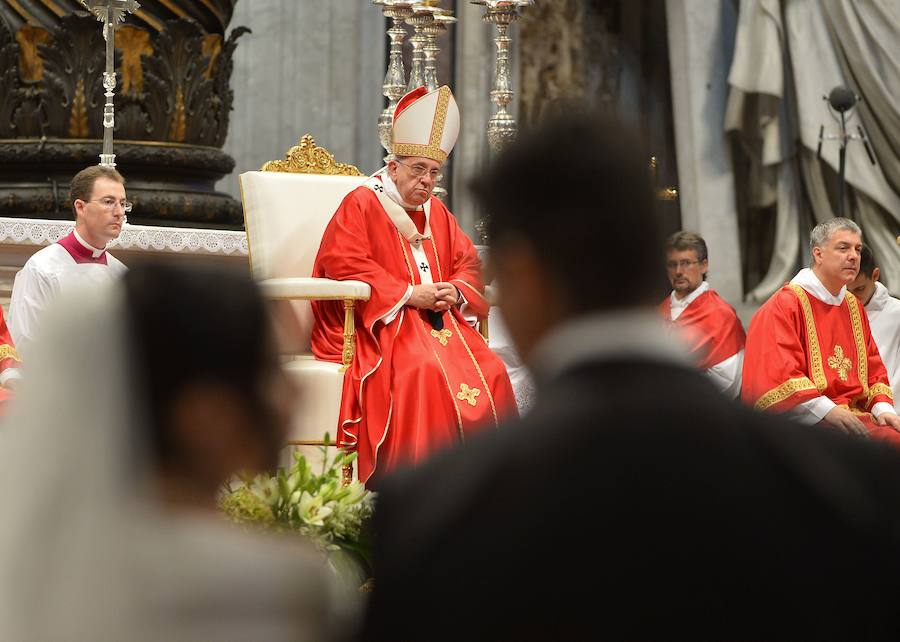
(501, 127)
(394, 85)
(431, 30)
(110, 13)
(417, 19)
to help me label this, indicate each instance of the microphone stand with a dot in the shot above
(844, 109)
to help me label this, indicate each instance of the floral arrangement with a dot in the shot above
(334, 517)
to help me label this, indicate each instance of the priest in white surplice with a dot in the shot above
(98, 201)
(883, 311)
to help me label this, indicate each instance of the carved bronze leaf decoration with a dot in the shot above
(9, 81)
(73, 64)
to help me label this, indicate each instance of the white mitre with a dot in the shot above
(426, 124)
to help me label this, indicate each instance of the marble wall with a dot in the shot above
(309, 67)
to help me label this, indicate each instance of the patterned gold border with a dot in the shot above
(812, 339)
(782, 392)
(440, 117)
(862, 356)
(879, 389)
(425, 151)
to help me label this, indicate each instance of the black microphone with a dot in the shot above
(841, 99)
(819, 148)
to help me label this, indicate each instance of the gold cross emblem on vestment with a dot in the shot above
(840, 363)
(442, 335)
(468, 394)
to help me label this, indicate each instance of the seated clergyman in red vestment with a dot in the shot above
(810, 350)
(709, 326)
(423, 378)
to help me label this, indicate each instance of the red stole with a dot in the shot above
(799, 348)
(710, 327)
(78, 252)
(410, 390)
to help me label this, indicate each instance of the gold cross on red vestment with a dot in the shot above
(840, 363)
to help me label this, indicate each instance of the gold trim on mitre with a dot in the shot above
(309, 158)
(433, 149)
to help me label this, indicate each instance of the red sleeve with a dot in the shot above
(712, 330)
(345, 253)
(465, 269)
(776, 372)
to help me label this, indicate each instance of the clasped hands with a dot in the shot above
(439, 297)
(844, 420)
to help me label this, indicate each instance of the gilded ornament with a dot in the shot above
(309, 158)
(467, 394)
(442, 335)
(839, 363)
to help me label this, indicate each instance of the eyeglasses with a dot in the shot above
(684, 263)
(110, 204)
(420, 170)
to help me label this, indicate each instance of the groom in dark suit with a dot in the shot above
(633, 501)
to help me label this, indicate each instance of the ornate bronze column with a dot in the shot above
(172, 106)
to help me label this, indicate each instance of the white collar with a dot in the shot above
(625, 333)
(390, 189)
(675, 302)
(879, 299)
(94, 251)
(808, 280)
(398, 215)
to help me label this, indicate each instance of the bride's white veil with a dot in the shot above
(72, 464)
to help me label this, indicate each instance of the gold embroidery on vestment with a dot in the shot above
(839, 363)
(468, 394)
(812, 339)
(462, 338)
(442, 335)
(880, 389)
(862, 357)
(782, 392)
(459, 425)
(8, 352)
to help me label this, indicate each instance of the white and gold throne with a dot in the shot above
(287, 205)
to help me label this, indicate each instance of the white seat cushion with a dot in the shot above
(311, 288)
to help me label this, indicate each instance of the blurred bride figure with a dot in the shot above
(141, 399)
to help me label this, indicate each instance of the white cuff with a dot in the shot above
(14, 373)
(393, 312)
(813, 411)
(726, 375)
(877, 410)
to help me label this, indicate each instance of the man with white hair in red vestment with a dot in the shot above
(422, 379)
(810, 350)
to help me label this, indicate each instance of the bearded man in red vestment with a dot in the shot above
(709, 326)
(810, 350)
(422, 378)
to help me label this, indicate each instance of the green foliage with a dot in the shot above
(314, 505)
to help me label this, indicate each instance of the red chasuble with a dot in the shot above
(799, 348)
(411, 389)
(710, 327)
